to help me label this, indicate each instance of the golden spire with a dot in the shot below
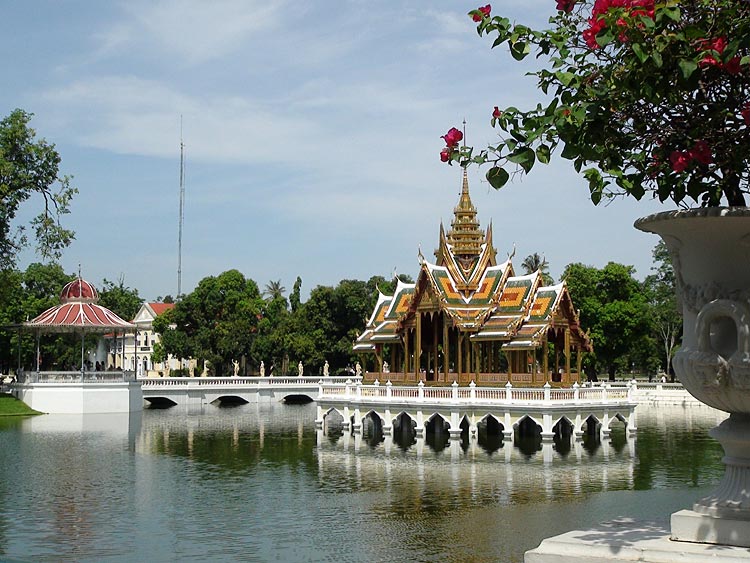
(465, 236)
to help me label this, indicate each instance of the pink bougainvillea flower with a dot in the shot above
(485, 12)
(732, 66)
(745, 112)
(701, 152)
(718, 45)
(445, 154)
(452, 137)
(589, 35)
(566, 5)
(708, 60)
(497, 113)
(680, 160)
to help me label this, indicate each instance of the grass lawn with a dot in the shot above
(10, 406)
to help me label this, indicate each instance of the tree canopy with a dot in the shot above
(27, 167)
(120, 299)
(217, 322)
(535, 262)
(613, 308)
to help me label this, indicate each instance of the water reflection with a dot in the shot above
(258, 482)
(232, 440)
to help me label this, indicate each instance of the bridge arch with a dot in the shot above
(563, 426)
(297, 399)
(491, 424)
(403, 422)
(591, 425)
(160, 402)
(527, 423)
(436, 423)
(618, 416)
(230, 401)
(333, 411)
(376, 421)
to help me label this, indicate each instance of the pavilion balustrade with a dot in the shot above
(75, 376)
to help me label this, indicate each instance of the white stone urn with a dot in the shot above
(710, 251)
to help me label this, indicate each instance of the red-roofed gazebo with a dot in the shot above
(78, 312)
(86, 390)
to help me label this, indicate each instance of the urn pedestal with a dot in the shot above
(710, 251)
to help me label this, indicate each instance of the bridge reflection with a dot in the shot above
(472, 470)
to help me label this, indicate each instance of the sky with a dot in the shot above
(311, 133)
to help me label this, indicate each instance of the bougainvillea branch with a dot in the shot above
(643, 97)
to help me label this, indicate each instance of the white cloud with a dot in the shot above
(194, 31)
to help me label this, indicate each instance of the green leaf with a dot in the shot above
(519, 50)
(639, 52)
(672, 12)
(688, 67)
(596, 184)
(565, 78)
(524, 157)
(656, 57)
(543, 154)
(570, 151)
(497, 177)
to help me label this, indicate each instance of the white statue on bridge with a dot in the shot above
(300, 369)
(206, 365)
(386, 367)
(236, 367)
(262, 369)
(325, 369)
(358, 370)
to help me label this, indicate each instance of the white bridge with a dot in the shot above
(571, 411)
(195, 391)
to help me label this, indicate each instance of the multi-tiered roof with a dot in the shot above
(480, 296)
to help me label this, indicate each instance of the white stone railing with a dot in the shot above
(649, 385)
(356, 392)
(311, 381)
(76, 377)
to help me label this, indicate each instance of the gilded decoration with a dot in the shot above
(465, 309)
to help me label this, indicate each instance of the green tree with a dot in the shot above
(613, 308)
(41, 285)
(120, 299)
(294, 298)
(665, 314)
(326, 325)
(28, 167)
(534, 262)
(217, 322)
(269, 343)
(274, 290)
(11, 312)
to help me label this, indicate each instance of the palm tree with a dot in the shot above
(274, 290)
(534, 262)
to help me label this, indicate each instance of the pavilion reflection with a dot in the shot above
(463, 472)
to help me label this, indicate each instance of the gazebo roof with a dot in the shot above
(78, 311)
(79, 290)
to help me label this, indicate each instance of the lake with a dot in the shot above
(260, 483)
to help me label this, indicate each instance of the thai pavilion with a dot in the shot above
(84, 390)
(470, 318)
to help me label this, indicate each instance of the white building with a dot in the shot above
(140, 347)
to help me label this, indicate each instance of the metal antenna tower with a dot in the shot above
(182, 213)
